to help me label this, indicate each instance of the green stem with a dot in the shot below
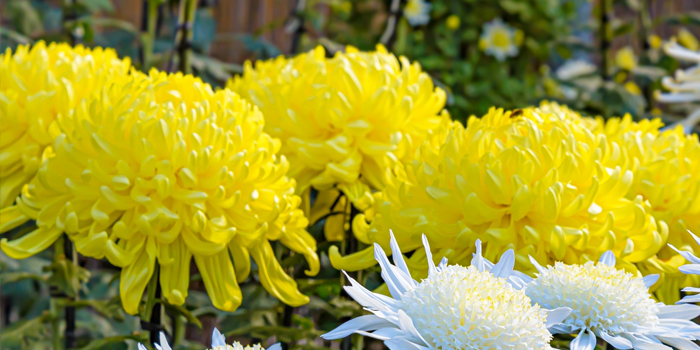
(149, 36)
(179, 331)
(54, 302)
(605, 36)
(188, 9)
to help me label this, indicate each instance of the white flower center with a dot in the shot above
(600, 296)
(461, 308)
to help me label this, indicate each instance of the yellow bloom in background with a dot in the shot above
(500, 40)
(626, 59)
(453, 22)
(655, 41)
(344, 121)
(533, 180)
(666, 167)
(633, 88)
(161, 169)
(687, 39)
(37, 84)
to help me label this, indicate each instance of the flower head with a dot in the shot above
(161, 168)
(666, 168)
(417, 12)
(534, 180)
(611, 304)
(218, 342)
(500, 40)
(344, 121)
(37, 84)
(455, 307)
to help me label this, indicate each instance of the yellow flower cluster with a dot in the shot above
(162, 169)
(666, 167)
(36, 85)
(534, 180)
(344, 121)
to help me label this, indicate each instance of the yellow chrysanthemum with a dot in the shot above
(36, 85)
(162, 168)
(533, 180)
(344, 121)
(666, 167)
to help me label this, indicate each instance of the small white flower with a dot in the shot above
(499, 40)
(417, 12)
(218, 342)
(612, 304)
(575, 68)
(455, 308)
(684, 87)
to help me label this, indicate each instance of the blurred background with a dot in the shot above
(612, 47)
(602, 57)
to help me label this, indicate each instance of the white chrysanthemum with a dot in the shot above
(489, 313)
(499, 39)
(612, 304)
(684, 86)
(417, 12)
(218, 342)
(455, 308)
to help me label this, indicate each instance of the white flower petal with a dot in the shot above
(368, 299)
(584, 341)
(608, 258)
(443, 264)
(217, 339)
(402, 344)
(397, 255)
(690, 269)
(677, 97)
(683, 312)
(687, 255)
(557, 316)
(383, 333)
(362, 323)
(617, 342)
(142, 347)
(407, 326)
(505, 265)
(682, 344)
(535, 264)
(477, 259)
(681, 53)
(649, 280)
(429, 255)
(639, 344)
(392, 276)
(164, 342)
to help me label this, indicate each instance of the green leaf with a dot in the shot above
(99, 344)
(21, 332)
(191, 318)
(9, 277)
(67, 276)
